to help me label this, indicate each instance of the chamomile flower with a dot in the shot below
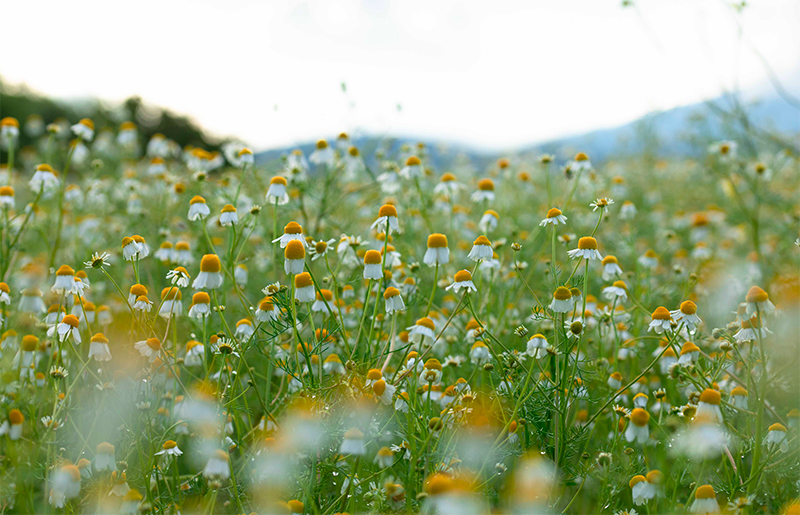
(462, 280)
(131, 502)
(384, 457)
(485, 191)
(333, 365)
(628, 210)
(225, 347)
(323, 155)
(742, 504)
(293, 231)
(228, 216)
(266, 310)
(489, 220)
(422, 332)
(201, 305)
(98, 348)
(537, 346)
(387, 218)
(171, 303)
(739, 398)
(611, 268)
(481, 249)
(638, 485)
(195, 354)
(182, 253)
(54, 314)
(218, 466)
(318, 249)
(31, 301)
(210, 276)
(9, 131)
(581, 162)
(638, 429)
(84, 129)
(448, 186)
(709, 405)
(157, 166)
(169, 450)
(127, 135)
(758, 301)
(413, 168)
(294, 254)
(44, 180)
(65, 281)
(587, 249)
(276, 193)
(562, 300)
(296, 165)
(687, 313)
(660, 320)
(617, 291)
(372, 265)
(324, 299)
(198, 209)
(668, 359)
(8, 341)
(105, 457)
(554, 217)
(401, 405)
(65, 484)
(244, 329)
(304, 288)
(689, 354)
(705, 501)
(703, 439)
(751, 330)
(431, 371)
(601, 203)
(776, 437)
(649, 259)
(724, 149)
(392, 300)
(615, 380)
(353, 162)
(761, 171)
(179, 277)
(6, 197)
(438, 253)
(149, 348)
(13, 426)
(479, 354)
(353, 443)
(246, 157)
(383, 391)
(69, 328)
(158, 145)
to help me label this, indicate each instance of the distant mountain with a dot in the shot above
(686, 130)
(683, 130)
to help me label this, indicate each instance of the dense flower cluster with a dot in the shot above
(186, 330)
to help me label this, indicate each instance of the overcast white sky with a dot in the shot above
(495, 74)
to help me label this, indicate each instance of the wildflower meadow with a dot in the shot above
(381, 330)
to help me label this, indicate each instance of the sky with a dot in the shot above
(491, 74)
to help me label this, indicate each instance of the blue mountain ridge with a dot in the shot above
(681, 131)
